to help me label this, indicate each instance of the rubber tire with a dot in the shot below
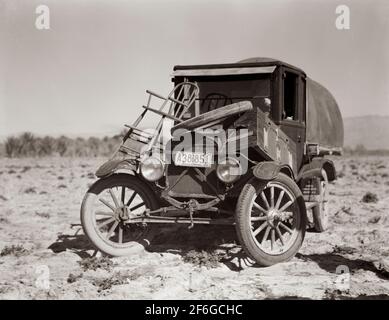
(320, 224)
(243, 228)
(87, 214)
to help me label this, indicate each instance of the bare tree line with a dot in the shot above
(30, 145)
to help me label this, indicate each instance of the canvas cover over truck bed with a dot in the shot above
(324, 124)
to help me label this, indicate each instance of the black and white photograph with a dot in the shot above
(164, 150)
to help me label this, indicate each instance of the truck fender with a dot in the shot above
(268, 170)
(313, 169)
(114, 165)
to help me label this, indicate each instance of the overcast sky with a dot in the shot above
(89, 72)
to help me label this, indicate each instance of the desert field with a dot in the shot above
(44, 254)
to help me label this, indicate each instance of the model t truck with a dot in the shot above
(278, 123)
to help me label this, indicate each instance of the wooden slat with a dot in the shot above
(136, 128)
(156, 94)
(141, 134)
(161, 113)
(169, 98)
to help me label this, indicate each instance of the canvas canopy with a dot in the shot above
(324, 120)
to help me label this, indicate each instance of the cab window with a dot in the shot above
(290, 90)
(216, 92)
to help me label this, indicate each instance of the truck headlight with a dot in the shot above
(152, 168)
(229, 171)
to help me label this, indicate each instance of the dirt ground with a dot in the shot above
(44, 254)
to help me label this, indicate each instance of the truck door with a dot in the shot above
(293, 110)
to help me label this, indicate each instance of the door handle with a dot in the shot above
(298, 138)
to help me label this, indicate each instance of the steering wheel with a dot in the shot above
(215, 100)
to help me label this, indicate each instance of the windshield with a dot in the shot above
(216, 92)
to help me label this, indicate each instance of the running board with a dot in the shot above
(155, 219)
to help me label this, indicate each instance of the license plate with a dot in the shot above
(193, 159)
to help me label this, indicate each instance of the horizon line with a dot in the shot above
(111, 133)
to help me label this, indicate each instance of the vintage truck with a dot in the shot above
(271, 186)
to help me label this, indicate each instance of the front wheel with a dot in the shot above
(107, 206)
(271, 220)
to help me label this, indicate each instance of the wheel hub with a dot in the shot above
(273, 217)
(122, 213)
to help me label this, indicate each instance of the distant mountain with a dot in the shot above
(370, 131)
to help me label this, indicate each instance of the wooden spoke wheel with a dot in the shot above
(106, 207)
(271, 220)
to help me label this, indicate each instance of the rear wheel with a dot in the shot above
(271, 220)
(106, 207)
(320, 211)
